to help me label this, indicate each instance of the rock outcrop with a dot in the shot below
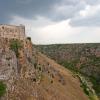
(30, 75)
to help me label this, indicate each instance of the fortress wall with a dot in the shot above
(10, 31)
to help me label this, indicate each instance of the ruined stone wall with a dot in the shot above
(11, 31)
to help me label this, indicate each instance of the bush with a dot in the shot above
(2, 89)
(29, 38)
(69, 65)
(96, 84)
(15, 45)
(85, 88)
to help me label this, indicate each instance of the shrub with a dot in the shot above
(2, 89)
(15, 45)
(29, 38)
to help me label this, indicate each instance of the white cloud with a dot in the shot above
(68, 9)
(90, 10)
(45, 31)
(88, 17)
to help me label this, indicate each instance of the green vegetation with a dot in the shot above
(84, 86)
(93, 97)
(96, 84)
(15, 45)
(88, 90)
(29, 38)
(2, 89)
(69, 65)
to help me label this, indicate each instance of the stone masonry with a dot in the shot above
(12, 31)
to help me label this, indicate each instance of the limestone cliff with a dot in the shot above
(30, 75)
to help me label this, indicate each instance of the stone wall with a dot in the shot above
(11, 31)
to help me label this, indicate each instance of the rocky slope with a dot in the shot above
(83, 58)
(30, 75)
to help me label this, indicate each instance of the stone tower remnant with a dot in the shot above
(12, 31)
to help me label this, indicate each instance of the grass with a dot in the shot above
(93, 97)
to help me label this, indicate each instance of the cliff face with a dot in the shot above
(30, 75)
(84, 58)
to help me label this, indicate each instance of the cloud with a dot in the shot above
(37, 22)
(53, 9)
(33, 26)
(25, 8)
(23, 1)
(54, 21)
(90, 11)
(66, 11)
(92, 2)
(90, 17)
(49, 32)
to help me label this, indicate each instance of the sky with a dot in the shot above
(54, 21)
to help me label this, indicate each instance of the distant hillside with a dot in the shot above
(83, 58)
